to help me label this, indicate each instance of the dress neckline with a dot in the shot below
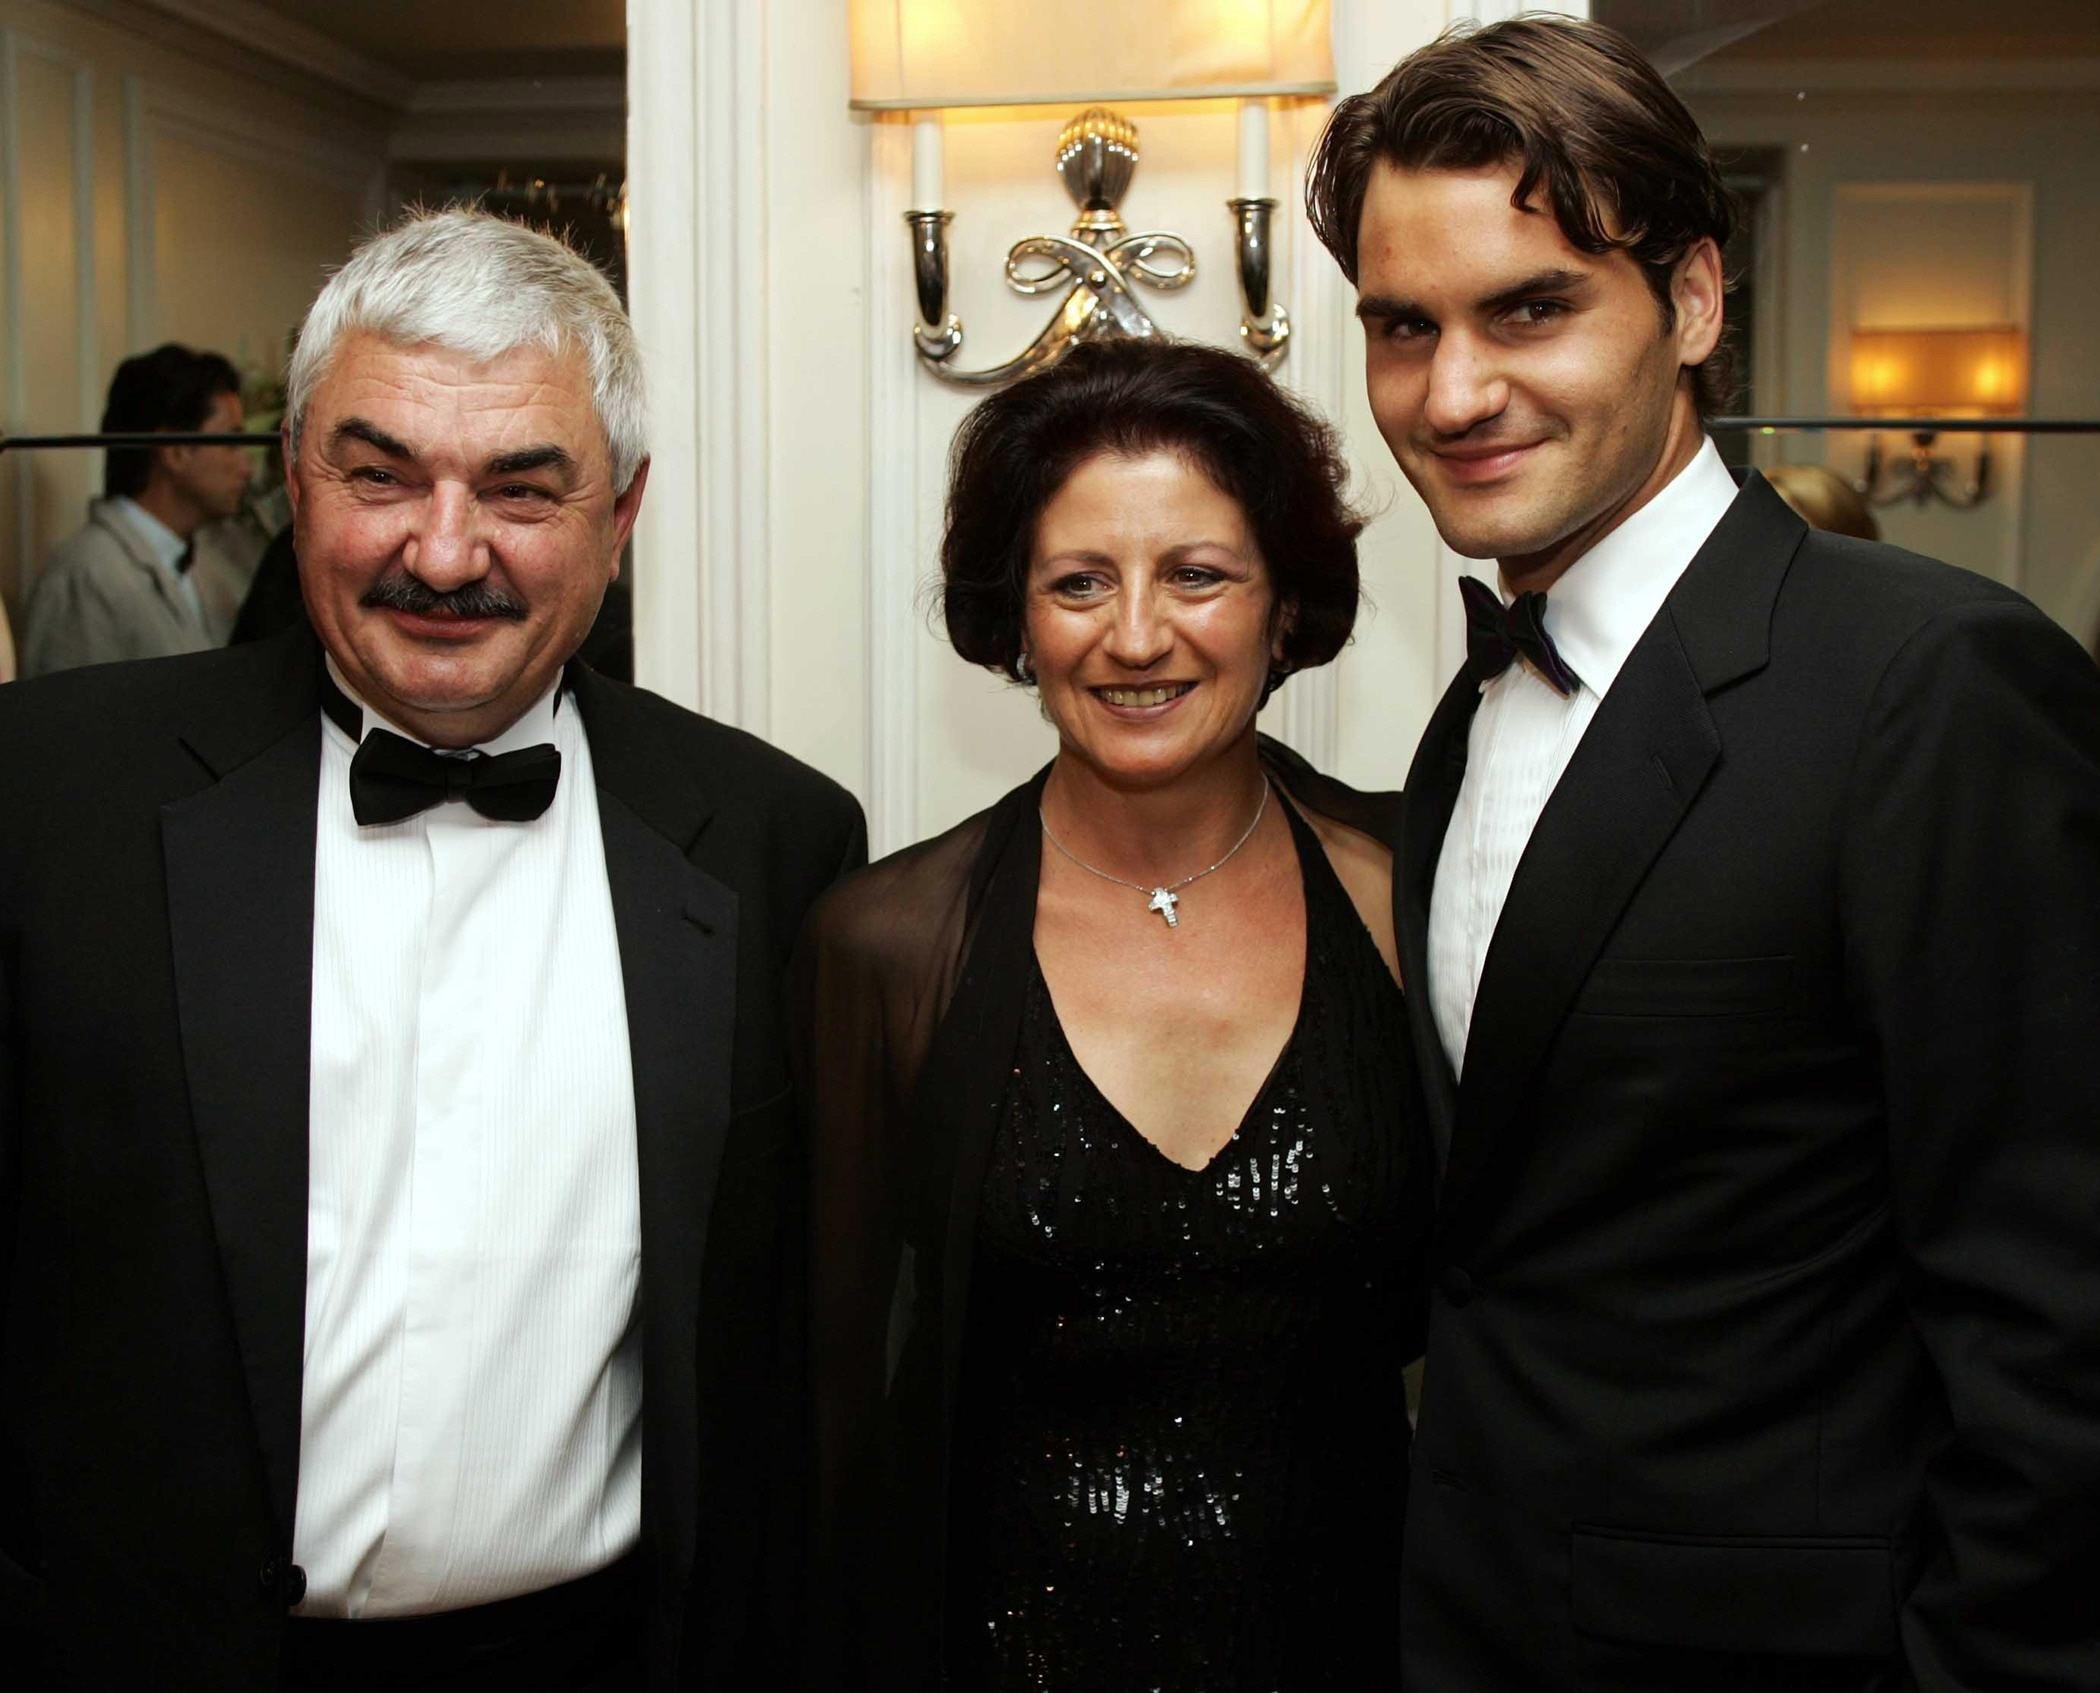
(1303, 842)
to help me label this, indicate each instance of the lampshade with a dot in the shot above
(926, 54)
(1939, 372)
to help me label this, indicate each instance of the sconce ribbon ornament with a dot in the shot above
(1099, 265)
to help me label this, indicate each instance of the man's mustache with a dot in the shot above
(399, 591)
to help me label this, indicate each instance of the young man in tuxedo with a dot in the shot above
(1749, 904)
(392, 1081)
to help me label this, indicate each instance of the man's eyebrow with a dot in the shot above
(546, 456)
(1386, 307)
(358, 429)
(1559, 281)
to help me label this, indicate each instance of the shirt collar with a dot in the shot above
(535, 728)
(1606, 599)
(166, 546)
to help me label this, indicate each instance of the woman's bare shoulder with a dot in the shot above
(1363, 864)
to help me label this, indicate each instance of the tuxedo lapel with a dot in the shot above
(1640, 766)
(677, 930)
(1432, 790)
(239, 857)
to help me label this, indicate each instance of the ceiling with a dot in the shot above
(470, 40)
(462, 40)
(1677, 33)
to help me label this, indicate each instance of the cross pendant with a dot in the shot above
(1163, 902)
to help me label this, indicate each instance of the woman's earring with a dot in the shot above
(1024, 669)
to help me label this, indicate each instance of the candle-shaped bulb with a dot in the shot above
(1254, 150)
(926, 162)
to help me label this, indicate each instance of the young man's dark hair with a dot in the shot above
(1597, 133)
(171, 388)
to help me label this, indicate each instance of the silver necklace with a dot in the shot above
(1164, 899)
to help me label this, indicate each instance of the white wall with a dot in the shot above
(147, 195)
(794, 506)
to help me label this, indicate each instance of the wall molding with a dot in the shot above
(663, 237)
(736, 409)
(580, 117)
(14, 48)
(699, 290)
(1893, 76)
(252, 140)
(895, 637)
(11, 234)
(139, 306)
(543, 94)
(259, 29)
(87, 349)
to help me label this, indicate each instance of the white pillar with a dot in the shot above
(747, 252)
(697, 286)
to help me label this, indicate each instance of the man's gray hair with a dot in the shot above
(480, 285)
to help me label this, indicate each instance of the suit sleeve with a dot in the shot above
(1971, 862)
(73, 622)
(837, 850)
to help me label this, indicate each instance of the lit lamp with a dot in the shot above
(1938, 373)
(923, 56)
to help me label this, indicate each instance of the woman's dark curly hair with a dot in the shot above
(1274, 457)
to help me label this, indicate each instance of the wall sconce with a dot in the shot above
(925, 56)
(1935, 373)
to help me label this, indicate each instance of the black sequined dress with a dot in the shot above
(1182, 1437)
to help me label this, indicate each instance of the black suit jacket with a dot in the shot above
(1765, 1327)
(156, 910)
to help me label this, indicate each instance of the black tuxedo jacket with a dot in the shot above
(1764, 1343)
(156, 906)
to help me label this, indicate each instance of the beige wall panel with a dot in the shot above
(240, 249)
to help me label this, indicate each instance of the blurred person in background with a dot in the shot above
(122, 586)
(1825, 499)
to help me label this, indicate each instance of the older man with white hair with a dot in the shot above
(395, 1113)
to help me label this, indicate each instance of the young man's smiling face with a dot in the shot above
(1531, 392)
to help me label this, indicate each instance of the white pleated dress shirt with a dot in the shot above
(1523, 733)
(471, 1415)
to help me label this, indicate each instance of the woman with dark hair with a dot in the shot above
(1116, 1205)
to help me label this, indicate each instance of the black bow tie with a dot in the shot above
(1496, 635)
(392, 778)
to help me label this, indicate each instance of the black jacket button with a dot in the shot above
(282, 1581)
(1457, 1285)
